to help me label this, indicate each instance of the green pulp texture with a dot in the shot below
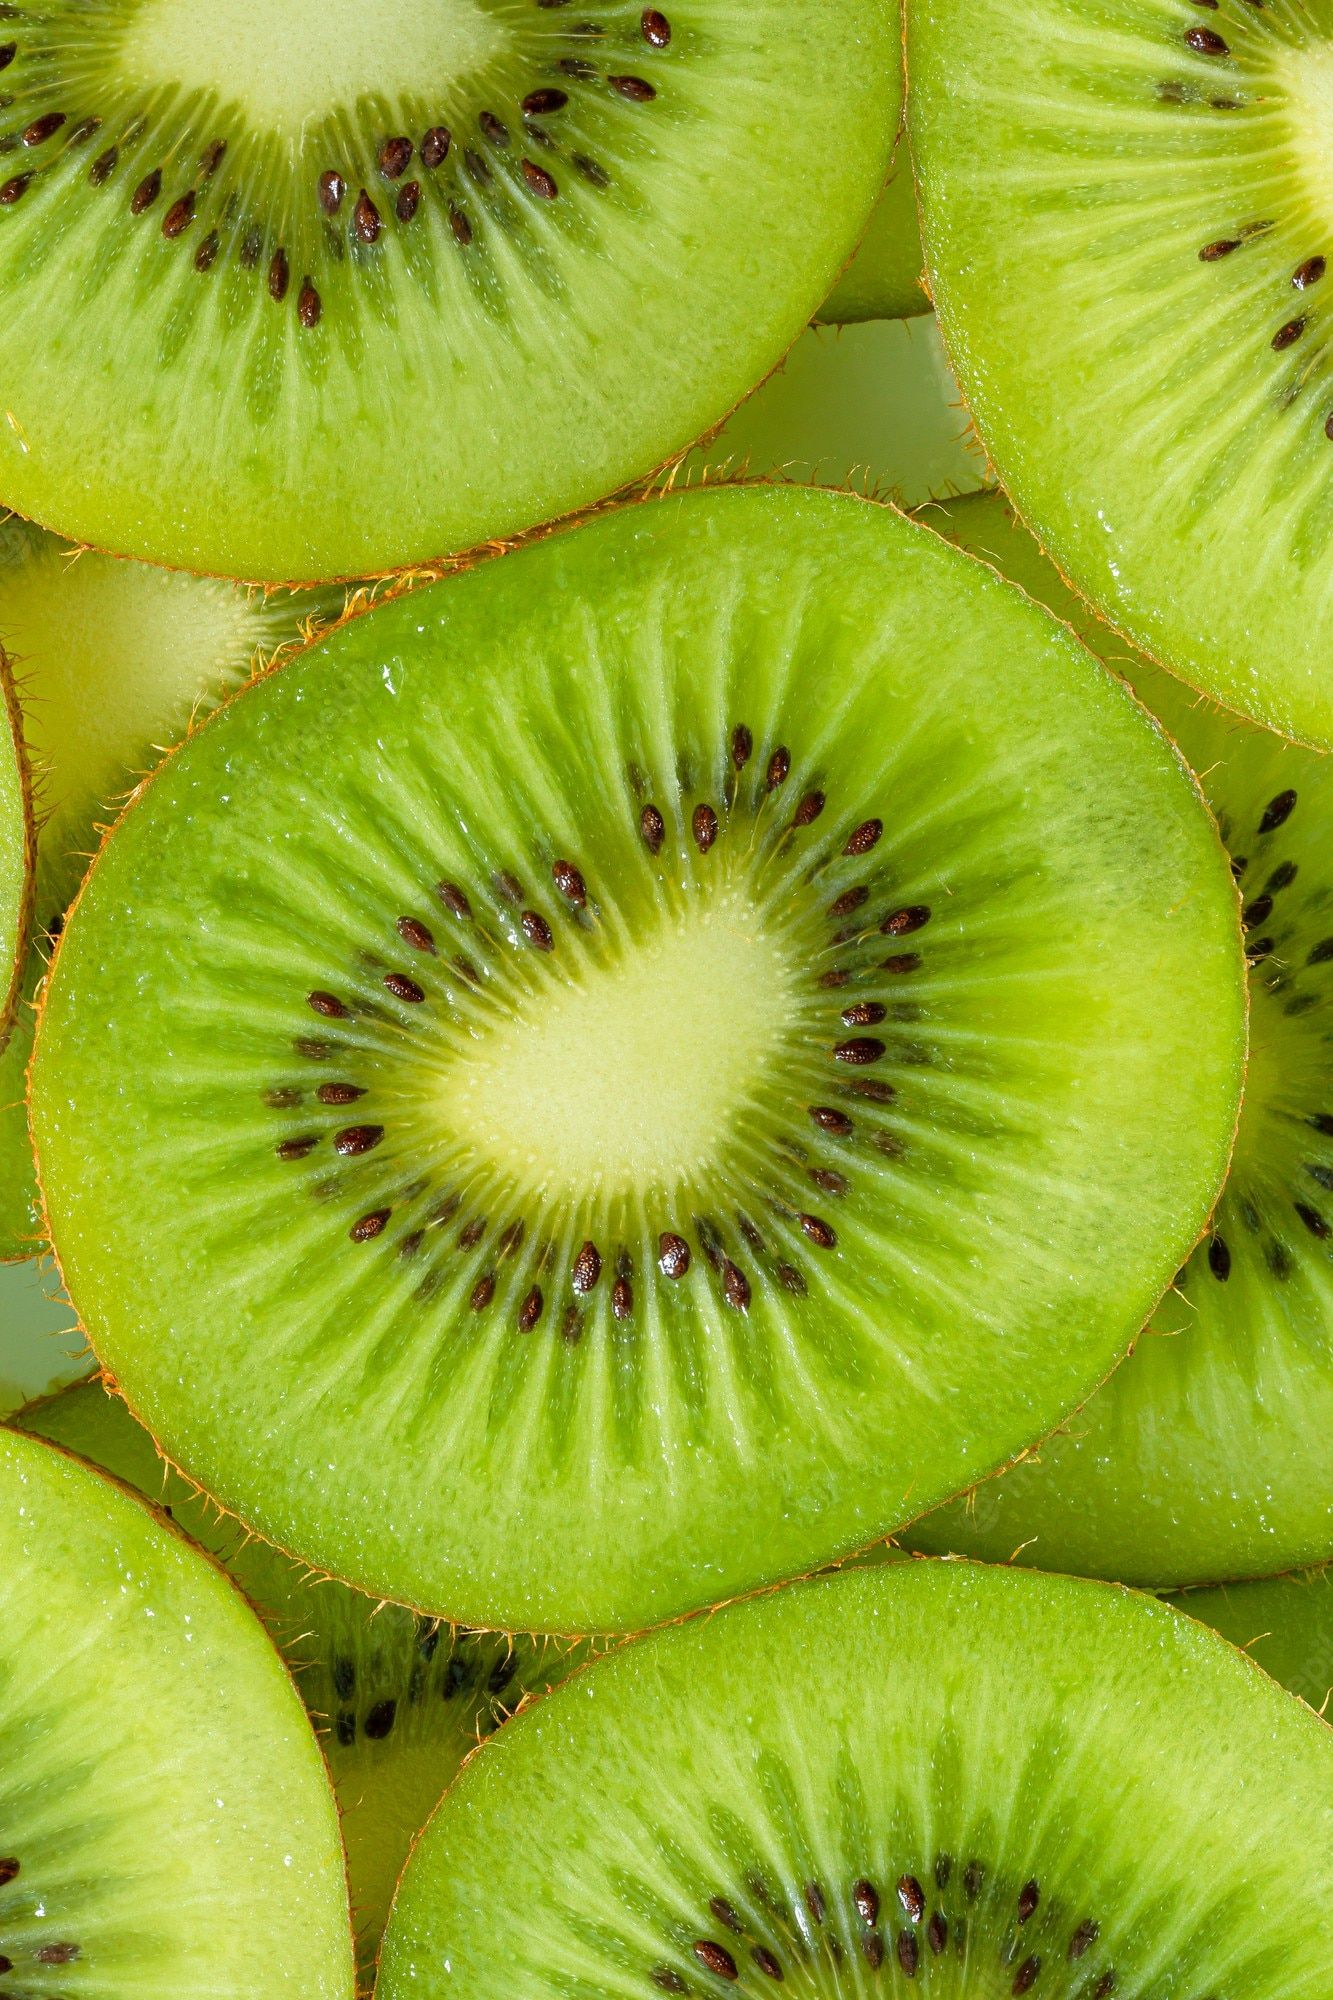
(921, 1021)
(398, 1701)
(985, 1782)
(883, 280)
(168, 1826)
(1125, 211)
(1207, 1454)
(113, 663)
(1283, 1622)
(372, 285)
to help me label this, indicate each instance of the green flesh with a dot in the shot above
(1127, 230)
(41, 1348)
(167, 1829)
(1284, 1622)
(16, 850)
(883, 280)
(113, 660)
(1207, 1455)
(203, 365)
(398, 1701)
(423, 1338)
(871, 409)
(989, 1782)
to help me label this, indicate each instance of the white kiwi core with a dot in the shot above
(638, 1073)
(1307, 76)
(295, 60)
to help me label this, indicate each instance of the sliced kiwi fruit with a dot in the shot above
(167, 1828)
(1283, 1622)
(114, 661)
(1207, 1454)
(631, 1071)
(869, 409)
(1127, 224)
(17, 849)
(883, 280)
(399, 1701)
(341, 286)
(966, 1782)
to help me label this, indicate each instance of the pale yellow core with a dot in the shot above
(1307, 74)
(635, 1077)
(287, 61)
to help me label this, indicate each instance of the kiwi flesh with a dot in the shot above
(633, 1086)
(1126, 220)
(968, 1782)
(1206, 1456)
(342, 286)
(17, 850)
(1283, 1622)
(884, 279)
(168, 1826)
(398, 1701)
(114, 661)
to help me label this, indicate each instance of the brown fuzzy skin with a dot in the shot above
(10, 990)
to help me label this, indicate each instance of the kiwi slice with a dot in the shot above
(114, 660)
(1283, 1622)
(870, 409)
(399, 1701)
(1127, 226)
(941, 1778)
(883, 280)
(336, 287)
(606, 1081)
(1207, 1454)
(168, 1826)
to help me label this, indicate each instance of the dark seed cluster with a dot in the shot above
(529, 143)
(367, 1702)
(898, 1929)
(341, 1132)
(21, 1958)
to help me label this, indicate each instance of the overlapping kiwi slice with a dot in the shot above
(629, 1072)
(399, 1701)
(1128, 224)
(166, 1824)
(114, 661)
(968, 1783)
(1283, 1622)
(337, 286)
(17, 850)
(1207, 1454)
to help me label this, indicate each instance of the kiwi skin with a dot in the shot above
(1285, 1623)
(11, 977)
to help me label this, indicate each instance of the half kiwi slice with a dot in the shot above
(398, 1701)
(168, 1826)
(335, 287)
(114, 661)
(18, 844)
(1207, 1454)
(1127, 222)
(1283, 1622)
(972, 1783)
(629, 1072)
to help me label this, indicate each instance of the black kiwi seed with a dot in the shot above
(543, 103)
(1084, 1937)
(587, 1268)
(407, 201)
(332, 191)
(859, 1051)
(43, 128)
(636, 88)
(358, 1139)
(435, 146)
(715, 1958)
(937, 1932)
(912, 1897)
(147, 192)
(416, 934)
(179, 216)
(366, 221)
(1287, 335)
(901, 923)
(724, 1913)
(1278, 811)
(279, 276)
(673, 1254)
(395, 157)
(328, 1005)
(368, 1227)
(1026, 1976)
(866, 1898)
(766, 1962)
(1309, 273)
(655, 28)
(403, 988)
(9, 1868)
(1205, 42)
(1219, 1259)
(537, 930)
(380, 1720)
(531, 1310)
(830, 1120)
(704, 827)
(735, 1287)
(1028, 1898)
(779, 768)
(653, 828)
(909, 1953)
